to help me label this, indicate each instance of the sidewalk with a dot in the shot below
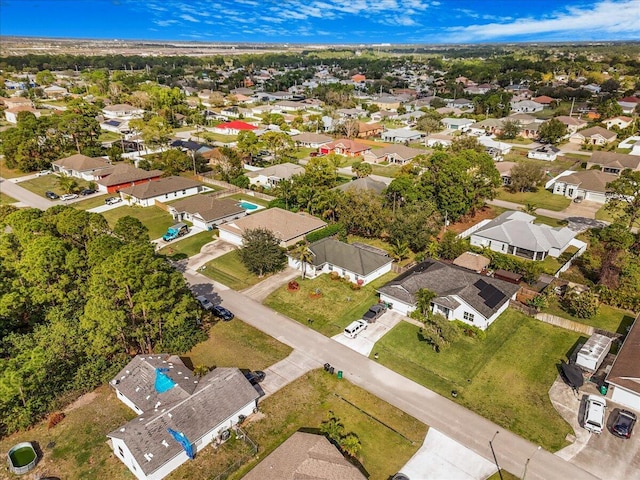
(261, 290)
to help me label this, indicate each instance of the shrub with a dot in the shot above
(580, 304)
(334, 276)
(54, 419)
(328, 231)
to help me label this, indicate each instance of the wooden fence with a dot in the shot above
(565, 323)
(230, 189)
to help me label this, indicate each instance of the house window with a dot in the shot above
(120, 451)
(184, 192)
(330, 268)
(468, 317)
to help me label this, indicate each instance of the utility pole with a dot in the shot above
(573, 101)
(494, 454)
(528, 460)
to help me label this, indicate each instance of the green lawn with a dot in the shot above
(154, 218)
(608, 215)
(505, 377)
(386, 170)
(505, 475)
(337, 306)
(237, 344)
(93, 201)
(189, 246)
(552, 222)
(108, 136)
(608, 318)
(249, 198)
(39, 185)
(541, 199)
(218, 137)
(229, 270)
(303, 152)
(6, 199)
(6, 172)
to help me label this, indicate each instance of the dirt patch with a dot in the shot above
(469, 221)
(85, 399)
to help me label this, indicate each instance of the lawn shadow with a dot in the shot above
(572, 353)
(206, 289)
(625, 324)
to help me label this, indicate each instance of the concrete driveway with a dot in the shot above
(366, 340)
(586, 208)
(286, 371)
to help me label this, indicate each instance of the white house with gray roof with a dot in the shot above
(460, 294)
(358, 263)
(515, 233)
(178, 413)
(269, 177)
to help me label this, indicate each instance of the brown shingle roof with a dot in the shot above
(591, 180)
(81, 163)
(208, 207)
(159, 187)
(125, 173)
(618, 160)
(625, 371)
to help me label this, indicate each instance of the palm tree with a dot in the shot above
(433, 250)
(399, 250)
(332, 428)
(67, 184)
(530, 208)
(350, 444)
(200, 370)
(425, 296)
(286, 191)
(305, 256)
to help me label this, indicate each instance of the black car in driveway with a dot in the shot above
(374, 312)
(623, 424)
(51, 195)
(87, 191)
(255, 377)
(222, 313)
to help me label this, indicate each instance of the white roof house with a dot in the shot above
(400, 135)
(526, 106)
(457, 123)
(269, 177)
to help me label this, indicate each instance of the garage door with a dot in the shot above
(230, 237)
(596, 197)
(627, 398)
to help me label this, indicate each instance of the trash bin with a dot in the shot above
(603, 389)
(339, 374)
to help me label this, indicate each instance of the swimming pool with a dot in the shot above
(248, 205)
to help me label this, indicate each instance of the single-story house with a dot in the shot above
(632, 143)
(270, 176)
(461, 103)
(399, 154)
(620, 122)
(346, 147)
(311, 140)
(288, 106)
(81, 166)
(461, 294)
(588, 184)
(305, 456)
(116, 125)
(287, 226)
(624, 376)
(179, 414)
(526, 106)
(611, 162)
(515, 233)
(358, 263)
(488, 125)
(400, 135)
(233, 128)
(504, 168)
(54, 91)
(439, 139)
(629, 104)
(494, 148)
(115, 178)
(366, 130)
(163, 190)
(544, 152)
(365, 183)
(123, 111)
(383, 115)
(472, 261)
(12, 102)
(11, 114)
(544, 100)
(461, 124)
(573, 124)
(593, 136)
(388, 102)
(206, 211)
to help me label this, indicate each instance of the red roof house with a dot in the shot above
(345, 146)
(234, 127)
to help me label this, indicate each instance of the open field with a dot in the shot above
(154, 218)
(6, 172)
(230, 271)
(92, 201)
(541, 199)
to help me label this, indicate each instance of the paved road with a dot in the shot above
(441, 413)
(24, 196)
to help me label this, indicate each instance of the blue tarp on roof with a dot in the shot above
(163, 382)
(184, 441)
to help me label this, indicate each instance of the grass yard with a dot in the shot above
(6, 199)
(39, 185)
(608, 215)
(541, 199)
(218, 137)
(106, 136)
(383, 170)
(338, 306)
(552, 222)
(249, 198)
(236, 344)
(92, 201)
(303, 152)
(187, 247)
(608, 318)
(154, 218)
(6, 172)
(230, 271)
(505, 377)
(505, 476)
(388, 436)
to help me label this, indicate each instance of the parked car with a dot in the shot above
(112, 200)
(578, 199)
(42, 173)
(222, 313)
(205, 302)
(68, 196)
(374, 312)
(594, 413)
(354, 328)
(255, 377)
(315, 154)
(87, 191)
(623, 424)
(51, 195)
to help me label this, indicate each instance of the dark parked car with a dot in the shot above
(87, 191)
(374, 312)
(222, 313)
(255, 377)
(205, 302)
(51, 195)
(623, 424)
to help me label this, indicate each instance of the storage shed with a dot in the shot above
(592, 353)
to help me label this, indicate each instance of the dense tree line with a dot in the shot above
(77, 298)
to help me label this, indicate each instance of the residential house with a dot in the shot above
(624, 376)
(233, 128)
(179, 414)
(478, 89)
(287, 226)
(366, 130)
(515, 233)
(288, 106)
(383, 115)
(116, 126)
(345, 113)
(461, 124)
(55, 92)
(461, 103)
(358, 78)
(13, 102)
(629, 104)
(206, 211)
(366, 184)
(631, 143)
(621, 122)
(438, 139)
(593, 136)
(460, 294)
(163, 189)
(588, 184)
(81, 166)
(401, 135)
(358, 263)
(388, 102)
(122, 111)
(11, 114)
(269, 177)
(472, 261)
(548, 153)
(115, 178)
(311, 140)
(545, 100)
(504, 168)
(491, 126)
(611, 162)
(573, 124)
(496, 149)
(526, 106)
(305, 456)
(399, 154)
(346, 147)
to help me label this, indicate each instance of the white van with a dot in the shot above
(594, 413)
(354, 328)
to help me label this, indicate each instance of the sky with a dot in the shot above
(326, 21)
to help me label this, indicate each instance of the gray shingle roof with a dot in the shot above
(125, 173)
(484, 294)
(159, 187)
(208, 207)
(282, 171)
(350, 257)
(364, 183)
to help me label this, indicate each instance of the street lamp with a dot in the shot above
(526, 464)
(494, 453)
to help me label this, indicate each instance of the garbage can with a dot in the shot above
(603, 389)
(339, 374)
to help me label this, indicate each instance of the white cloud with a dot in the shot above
(165, 23)
(189, 18)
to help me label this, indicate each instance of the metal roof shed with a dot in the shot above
(592, 353)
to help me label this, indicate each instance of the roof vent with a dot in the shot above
(137, 389)
(169, 415)
(157, 405)
(164, 442)
(122, 429)
(179, 373)
(147, 457)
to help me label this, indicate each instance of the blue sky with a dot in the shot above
(326, 21)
